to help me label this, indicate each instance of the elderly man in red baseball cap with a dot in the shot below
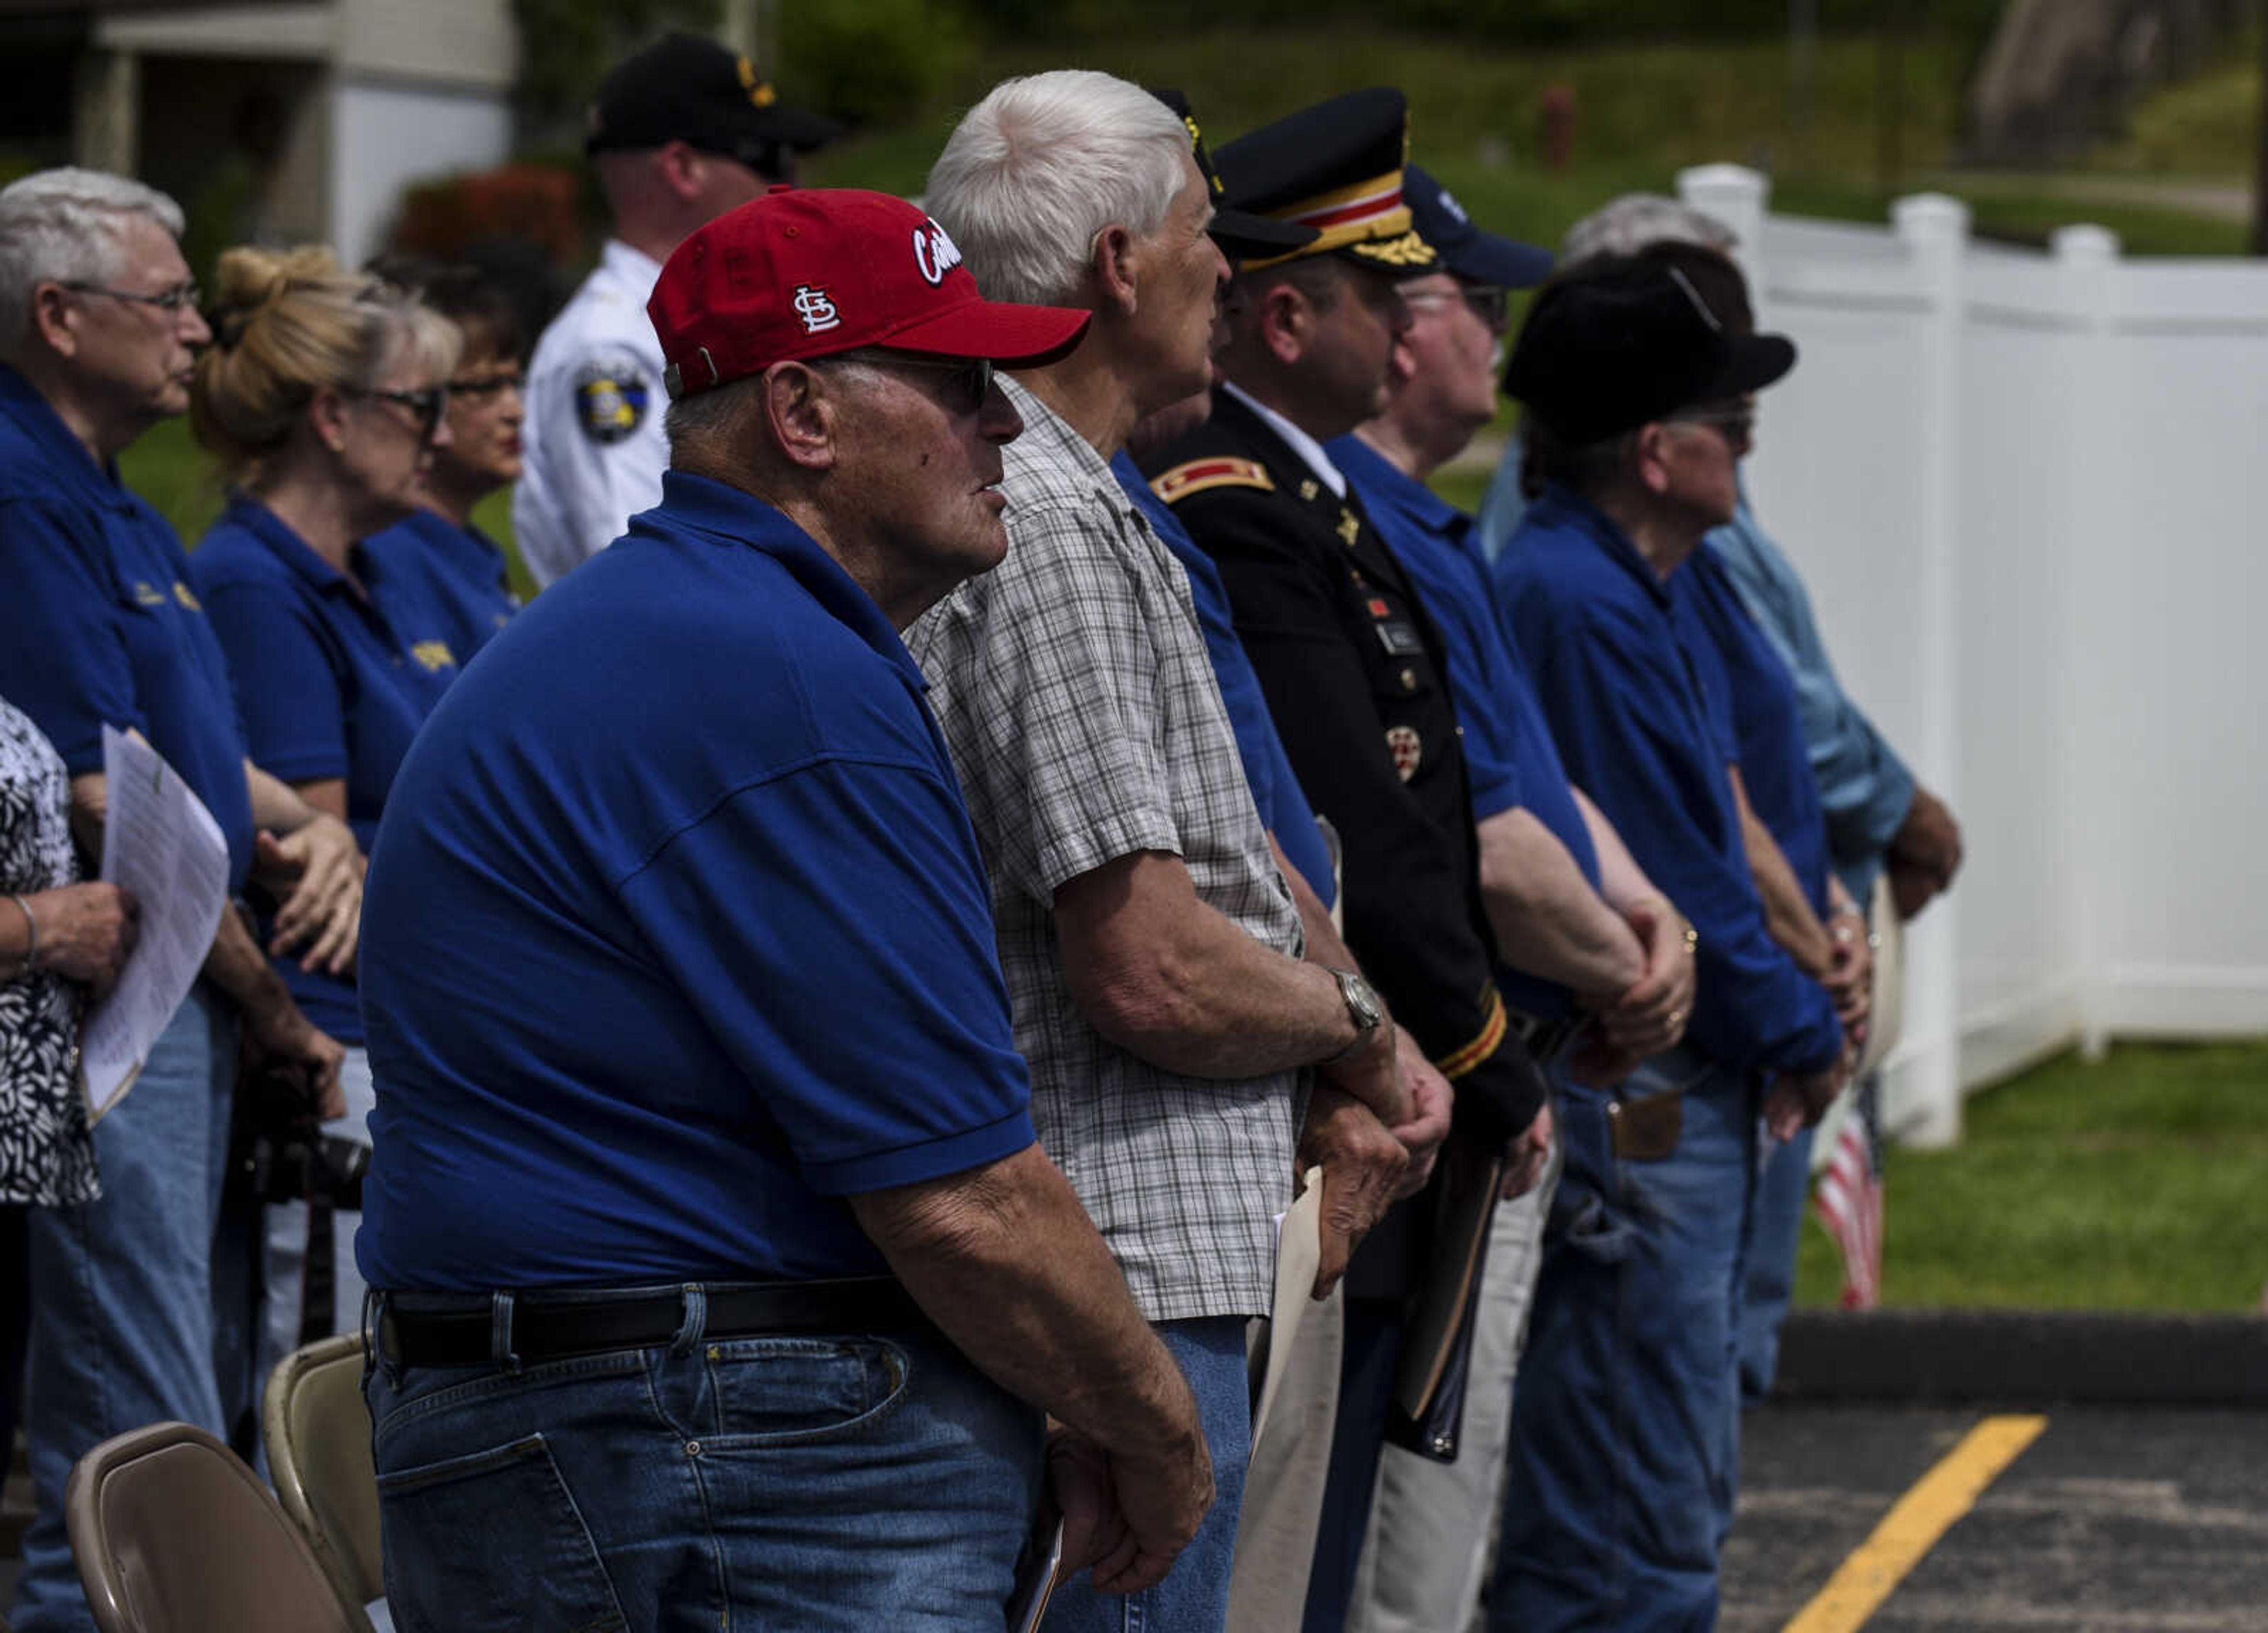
(723, 1281)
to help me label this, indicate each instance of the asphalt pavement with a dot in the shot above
(2115, 1518)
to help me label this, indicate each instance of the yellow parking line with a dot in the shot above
(1911, 1528)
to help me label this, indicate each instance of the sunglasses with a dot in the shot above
(967, 382)
(169, 301)
(426, 405)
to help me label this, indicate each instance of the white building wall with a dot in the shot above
(385, 134)
(2028, 494)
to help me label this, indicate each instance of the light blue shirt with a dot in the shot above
(1864, 788)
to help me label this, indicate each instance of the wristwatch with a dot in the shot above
(1363, 1008)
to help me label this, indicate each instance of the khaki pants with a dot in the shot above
(1291, 1439)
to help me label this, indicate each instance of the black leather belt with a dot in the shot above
(443, 1329)
(1546, 1040)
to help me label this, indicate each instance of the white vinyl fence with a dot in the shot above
(2030, 493)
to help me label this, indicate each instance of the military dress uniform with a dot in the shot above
(1355, 678)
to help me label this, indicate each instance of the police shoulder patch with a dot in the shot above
(1201, 475)
(611, 396)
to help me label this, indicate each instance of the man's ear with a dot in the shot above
(1111, 263)
(1653, 457)
(802, 414)
(679, 167)
(51, 319)
(1287, 322)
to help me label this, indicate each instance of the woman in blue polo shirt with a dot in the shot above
(322, 395)
(436, 547)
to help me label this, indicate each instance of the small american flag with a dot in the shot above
(1850, 1198)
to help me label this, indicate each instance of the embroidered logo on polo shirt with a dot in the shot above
(611, 393)
(148, 594)
(433, 656)
(181, 594)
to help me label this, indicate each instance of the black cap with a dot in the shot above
(1621, 341)
(1336, 167)
(1472, 254)
(1242, 235)
(683, 88)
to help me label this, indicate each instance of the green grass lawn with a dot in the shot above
(2140, 1182)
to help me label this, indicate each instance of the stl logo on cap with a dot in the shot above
(934, 253)
(815, 309)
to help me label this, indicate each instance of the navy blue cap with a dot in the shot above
(1477, 256)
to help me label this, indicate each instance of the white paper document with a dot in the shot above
(162, 847)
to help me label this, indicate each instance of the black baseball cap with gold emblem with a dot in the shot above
(683, 88)
(1337, 167)
(1242, 235)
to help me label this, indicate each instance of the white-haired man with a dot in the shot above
(98, 628)
(1152, 945)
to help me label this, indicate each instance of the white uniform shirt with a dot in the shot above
(593, 449)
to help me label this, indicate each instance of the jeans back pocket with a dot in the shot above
(490, 1541)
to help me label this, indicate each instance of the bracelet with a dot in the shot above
(31, 925)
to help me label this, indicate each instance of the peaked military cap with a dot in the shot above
(1243, 236)
(1337, 167)
(684, 88)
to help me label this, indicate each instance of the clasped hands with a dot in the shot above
(316, 872)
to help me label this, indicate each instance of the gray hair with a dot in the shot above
(62, 226)
(1044, 163)
(1627, 224)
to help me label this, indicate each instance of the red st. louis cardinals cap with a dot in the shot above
(813, 272)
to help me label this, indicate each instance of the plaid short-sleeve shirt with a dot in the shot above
(1076, 697)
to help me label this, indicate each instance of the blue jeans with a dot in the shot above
(1781, 1192)
(839, 1485)
(1627, 1418)
(1194, 1596)
(122, 1326)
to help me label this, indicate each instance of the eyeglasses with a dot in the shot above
(1489, 303)
(482, 390)
(965, 388)
(169, 301)
(1736, 424)
(426, 405)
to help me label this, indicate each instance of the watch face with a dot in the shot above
(1361, 1001)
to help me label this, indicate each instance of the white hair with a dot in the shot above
(1044, 163)
(62, 226)
(1627, 224)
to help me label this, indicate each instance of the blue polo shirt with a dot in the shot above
(329, 684)
(99, 623)
(1612, 669)
(1509, 752)
(1766, 719)
(1284, 808)
(459, 570)
(677, 933)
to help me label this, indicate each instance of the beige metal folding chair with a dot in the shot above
(174, 1534)
(318, 1433)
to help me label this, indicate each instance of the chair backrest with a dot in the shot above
(174, 1534)
(317, 1428)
